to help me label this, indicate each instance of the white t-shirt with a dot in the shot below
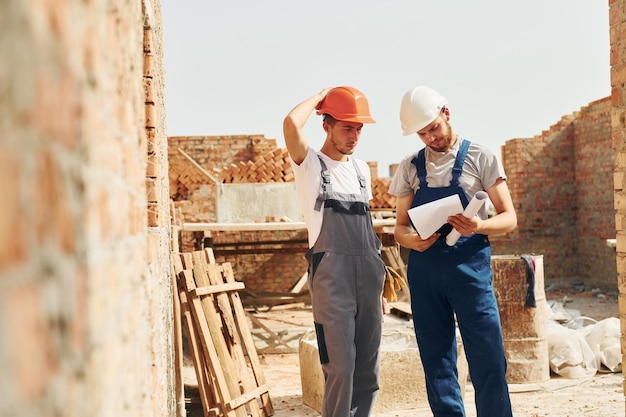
(343, 179)
(480, 171)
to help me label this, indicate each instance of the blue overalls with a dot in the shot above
(346, 277)
(445, 281)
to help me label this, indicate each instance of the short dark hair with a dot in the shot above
(330, 119)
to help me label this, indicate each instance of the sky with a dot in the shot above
(508, 69)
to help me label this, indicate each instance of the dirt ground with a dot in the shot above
(278, 330)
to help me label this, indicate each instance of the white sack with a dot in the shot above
(569, 352)
(604, 340)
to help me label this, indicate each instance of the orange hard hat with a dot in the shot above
(347, 104)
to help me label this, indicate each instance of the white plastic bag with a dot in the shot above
(569, 352)
(604, 340)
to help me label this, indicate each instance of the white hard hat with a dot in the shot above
(420, 106)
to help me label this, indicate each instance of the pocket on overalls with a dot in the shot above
(321, 343)
(314, 260)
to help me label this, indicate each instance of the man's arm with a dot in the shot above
(504, 221)
(296, 143)
(404, 233)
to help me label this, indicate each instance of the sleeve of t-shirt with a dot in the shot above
(310, 154)
(491, 168)
(401, 182)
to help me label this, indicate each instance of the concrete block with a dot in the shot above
(402, 384)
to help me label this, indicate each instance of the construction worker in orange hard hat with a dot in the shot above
(346, 273)
(451, 282)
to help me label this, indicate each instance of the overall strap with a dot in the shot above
(420, 164)
(362, 181)
(457, 169)
(325, 186)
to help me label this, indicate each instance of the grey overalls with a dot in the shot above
(447, 281)
(346, 277)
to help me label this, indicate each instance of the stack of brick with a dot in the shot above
(382, 200)
(184, 179)
(273, 166)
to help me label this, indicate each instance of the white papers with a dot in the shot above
(429, 217)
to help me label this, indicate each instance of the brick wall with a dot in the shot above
(85, 290)
(193, 191)
(617, 31)
(560, 182)
(595, 215)
(264, 272)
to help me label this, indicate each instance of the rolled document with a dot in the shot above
(469, 212)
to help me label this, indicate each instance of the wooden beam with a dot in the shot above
(229, 227)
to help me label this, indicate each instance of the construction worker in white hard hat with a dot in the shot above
(453, 282)
(346, 272)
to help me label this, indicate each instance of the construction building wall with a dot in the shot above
(617, 31)
(85, 283)
(193, 161)
(561, 183)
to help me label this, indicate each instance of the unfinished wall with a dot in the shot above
(595, 217)
(560, 182)
(617, 26)
(85, 293)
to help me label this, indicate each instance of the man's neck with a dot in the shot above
(333, 153)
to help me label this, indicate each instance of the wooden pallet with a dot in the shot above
(230, 378)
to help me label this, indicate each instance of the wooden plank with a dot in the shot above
(210, 257)
(219, 288)
(178, 341)
(299, 285)
(232, 327)
(207, 395)
(186, 260)
(205, 319)
(227, 227)
(249, 398)
(246, 336)
(272, 301)
(259, 251)
(198, 166)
